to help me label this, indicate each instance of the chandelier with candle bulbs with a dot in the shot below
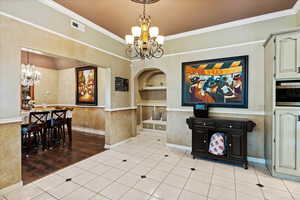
(145, 41)
(29, 74)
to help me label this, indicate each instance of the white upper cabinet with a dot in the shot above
(287, 142)
(288, 56)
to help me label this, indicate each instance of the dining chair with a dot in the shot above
(34, 133)
(57, 131)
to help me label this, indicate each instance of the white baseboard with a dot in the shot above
(110, 146)
(88, 130)
(189, 149)
(257, 160)
(11, 188)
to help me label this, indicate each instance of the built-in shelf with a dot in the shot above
(160, 122)
(152, 104)
(154, 88)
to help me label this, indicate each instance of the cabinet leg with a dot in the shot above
(245, 166)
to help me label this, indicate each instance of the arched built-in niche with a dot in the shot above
(151, 97)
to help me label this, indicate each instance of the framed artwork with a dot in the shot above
(121, 84)
(218, 82)
(86, 86)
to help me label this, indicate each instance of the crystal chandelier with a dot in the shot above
(145, 41)
(29, 74)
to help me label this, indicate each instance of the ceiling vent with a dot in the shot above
(77, 25)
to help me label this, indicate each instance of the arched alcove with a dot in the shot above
(151, 99)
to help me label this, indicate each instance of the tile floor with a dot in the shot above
(145, 169)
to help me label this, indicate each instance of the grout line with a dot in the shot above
(289, 190)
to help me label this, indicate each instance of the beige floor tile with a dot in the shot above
(249, 189)
(63, 189)
(167, 192)
(217, 193)
(140, 170)
(100, 169)
(201, 176)
(49, 182)
(70, 172)
(224, 172)
(79, 194)
(164, 166)
(86, 164)
(114, 173)
(114, 191)
(98, 184)
(157, 175)
(223, 182)
(296, 196)
(272, 182)
(26, 193)
(247, 178)
(243, 196)
(275, 194)
(44, 196)
(84, 178)
(135, 195)
(129, 179)
(147, 185)
(293, 186)
(99, 197)
(186, 195)
(176, 181)
(182, 171)
(197, 187)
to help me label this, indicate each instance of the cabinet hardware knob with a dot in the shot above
(230, 126)
(230, 145)
(204, 141)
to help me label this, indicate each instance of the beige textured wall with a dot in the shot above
(40, 14)
(93, 118)
(240, 34)
(66, 86)
(122, 123)
(16, 35)
(46, 91)
(10, 154)
(177, 131)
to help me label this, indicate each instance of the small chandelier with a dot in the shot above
(145, 41)
(29, 75)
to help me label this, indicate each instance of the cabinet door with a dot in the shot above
(200, 141)
(287, 56)
(235, 146)
(287, 139)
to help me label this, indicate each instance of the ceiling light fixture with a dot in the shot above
(29, 75)
(145, 41)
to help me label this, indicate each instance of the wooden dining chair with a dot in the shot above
(34, 133)
(58, 122)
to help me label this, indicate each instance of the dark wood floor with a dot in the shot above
(40, 164)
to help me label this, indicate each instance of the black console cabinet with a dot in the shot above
(235, 131)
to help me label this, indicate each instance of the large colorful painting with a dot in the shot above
(86, 82)
(218, 83)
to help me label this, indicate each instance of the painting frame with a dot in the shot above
(244, 77)
(94, 100)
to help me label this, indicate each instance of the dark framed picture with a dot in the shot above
(86, 86)
(219, 82)
(121, 84)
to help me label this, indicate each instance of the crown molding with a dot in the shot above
(258, 42)
(297, 6)
(63, 36)
(81, 19)
(233, 24)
